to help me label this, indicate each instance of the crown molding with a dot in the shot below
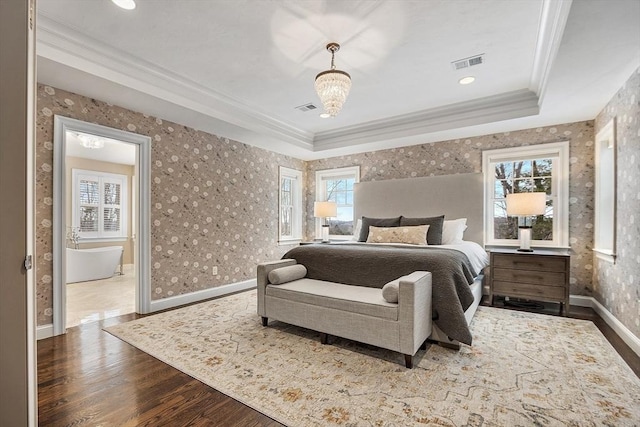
(60, 43)
(553, 20)
(504, 106)
(65, 45)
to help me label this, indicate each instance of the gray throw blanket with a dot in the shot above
(374, 266)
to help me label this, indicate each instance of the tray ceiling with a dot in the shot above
(239, 68)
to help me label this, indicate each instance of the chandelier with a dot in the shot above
(333, 85)
(90, 141)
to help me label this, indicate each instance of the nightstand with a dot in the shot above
(540, 275)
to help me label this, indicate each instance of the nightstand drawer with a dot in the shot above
(536, 277)
(530, 262)
(516, 289)
(542, 275)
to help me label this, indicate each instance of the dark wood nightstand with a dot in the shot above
(540, 275)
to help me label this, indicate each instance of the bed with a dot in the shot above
(457, 269)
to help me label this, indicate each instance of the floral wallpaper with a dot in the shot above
(617, 286)
(214, 202)
(465, 156)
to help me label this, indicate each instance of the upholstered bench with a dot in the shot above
(358, 313)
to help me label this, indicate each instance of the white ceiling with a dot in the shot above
(239, 68)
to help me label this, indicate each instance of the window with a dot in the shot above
(290, 204)
(99, 204)
(605, 197)
(537, 168)
(336, 185)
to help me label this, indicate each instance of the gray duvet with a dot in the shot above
(374, 266)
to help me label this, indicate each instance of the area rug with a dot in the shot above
(523, 369)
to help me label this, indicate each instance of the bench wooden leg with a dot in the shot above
(265, 321)
(324, 338)
(408, 361)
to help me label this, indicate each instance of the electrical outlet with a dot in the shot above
(214, 270)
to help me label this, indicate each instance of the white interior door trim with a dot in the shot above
(142, 207)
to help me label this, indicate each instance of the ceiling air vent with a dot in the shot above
(468, 62)
(306, 107)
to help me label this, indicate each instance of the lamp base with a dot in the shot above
(325, 233)
(525, 239)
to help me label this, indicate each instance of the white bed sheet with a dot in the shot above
(477, 255)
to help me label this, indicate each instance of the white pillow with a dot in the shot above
(453, 231)
(356, 231)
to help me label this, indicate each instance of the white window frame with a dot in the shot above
(296, 215)
(321, 196)
(101, 177)
(605, 193)
(559, 153)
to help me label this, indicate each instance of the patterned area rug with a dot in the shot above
(523, 370)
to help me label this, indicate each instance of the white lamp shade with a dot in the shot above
(325, 209)
(526, 204)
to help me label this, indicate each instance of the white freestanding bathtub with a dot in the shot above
(92, 264)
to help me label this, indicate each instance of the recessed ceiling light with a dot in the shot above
(325, 115)
(467, 80)
(125, 4)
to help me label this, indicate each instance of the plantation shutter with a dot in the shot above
(89, 205)
(111, 207)
(100, 204)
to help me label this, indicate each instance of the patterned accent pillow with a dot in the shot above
(415, 235)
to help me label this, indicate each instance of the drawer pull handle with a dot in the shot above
(538, 264)
(528, 277)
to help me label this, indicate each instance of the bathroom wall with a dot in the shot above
(96, 165)
(214, 201)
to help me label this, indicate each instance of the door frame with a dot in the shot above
(142, 188)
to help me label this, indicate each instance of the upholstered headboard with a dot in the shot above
(455, 196)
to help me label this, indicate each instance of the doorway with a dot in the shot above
(101, 223)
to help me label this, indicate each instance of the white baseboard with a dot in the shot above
(622, 331)
(44, 331)
(581, 301)
(178, 300)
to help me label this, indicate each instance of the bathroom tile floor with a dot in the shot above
(101, 299)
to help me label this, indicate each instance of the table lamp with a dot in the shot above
(325, 210)
(525, 205)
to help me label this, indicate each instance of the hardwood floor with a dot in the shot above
(88, 378)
